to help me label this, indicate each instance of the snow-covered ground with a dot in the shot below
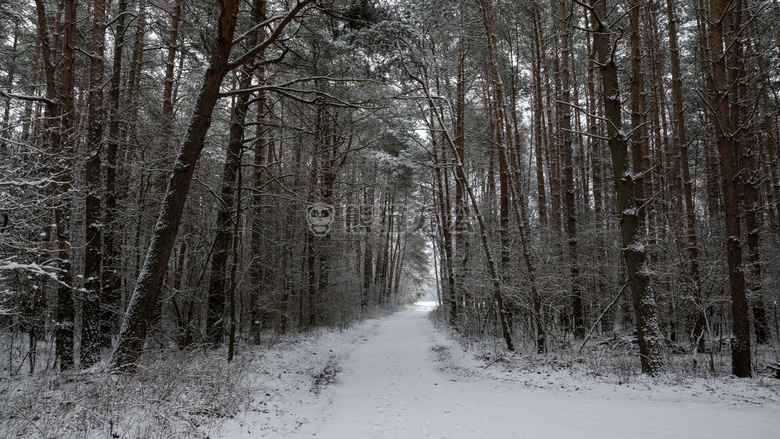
(399, 377)
(396, 376)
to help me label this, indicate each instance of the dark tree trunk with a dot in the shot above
(539, 135)
(631, 226)
(59, 108)
(110, 278)
(215, 329)
(682, 143)
(577, 302)
(728, 148)
(260, 145)
(90, 308)
(173, 37)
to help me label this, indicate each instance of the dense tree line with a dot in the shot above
(648, 161)
(211, 173)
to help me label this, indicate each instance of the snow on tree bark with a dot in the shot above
(631, 227)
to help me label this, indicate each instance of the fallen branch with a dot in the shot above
(593, 328)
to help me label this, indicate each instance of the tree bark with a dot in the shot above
(110, 278)
(173, 37)
(720, 22)
(90, 311)
(224, 222)
(59, 91)
(261, 158)
(682, 143)
(460, 237)
(631, 227)
(539, 134)
(577, 302)
(4, 128)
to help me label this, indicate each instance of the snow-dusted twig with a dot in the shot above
(603, 313)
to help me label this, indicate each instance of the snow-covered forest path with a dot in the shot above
(406, 380)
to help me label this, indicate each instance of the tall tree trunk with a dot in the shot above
(59, 109)
(714, 199)
(90, 310)
(720, 22)
(5, 126)
(65, 305)
(443, 214)
(461, 238)
(367, 217)
(133, 82)
(110, 277)
(27, 119)
(639, 144)
(771, 178)
(595, 142)
(224, 221)
(459, 169)
(552, 177)
(578, 308)
(236, 235)
(631, 227)
(262, 134)
(503, 138)
(750, 177)
(539, 134)
(170, 61)
(682, 143)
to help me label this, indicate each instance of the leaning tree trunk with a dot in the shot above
(139, 312)
(512, 175)
(461, 174)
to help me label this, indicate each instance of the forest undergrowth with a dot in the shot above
(188, 393)
(613, 359)
(173, 395)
